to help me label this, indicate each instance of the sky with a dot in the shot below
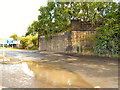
(17, 15)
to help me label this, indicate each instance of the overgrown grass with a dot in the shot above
(105, 55)
(33, 48)
(90, 51)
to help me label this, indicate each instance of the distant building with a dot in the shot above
(10, 42)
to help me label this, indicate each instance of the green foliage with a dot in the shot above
(14, 36)
(11, 59)
(56, 16)
(35, 40)
(89, 49)
(77, 48)
(108, 35)
(32, 29)
(91, 39)
(29, 41)
(24, 41)
(35, 48)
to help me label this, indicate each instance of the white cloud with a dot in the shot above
(17, 15)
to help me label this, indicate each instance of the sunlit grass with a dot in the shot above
(2, 58)
(9, 48)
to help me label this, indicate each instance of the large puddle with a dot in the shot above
(53, 75)
(22, 54)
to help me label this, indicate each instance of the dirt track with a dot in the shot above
(101, 72)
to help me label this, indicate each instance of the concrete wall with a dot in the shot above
(65, 42)
(60, 42)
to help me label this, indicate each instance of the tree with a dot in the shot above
(29, 41)
(107, 41)
(14, 36)
(32, 29)
(56, 16)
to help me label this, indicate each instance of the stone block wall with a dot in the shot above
(80, 38)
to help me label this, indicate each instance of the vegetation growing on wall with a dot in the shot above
(56, 17)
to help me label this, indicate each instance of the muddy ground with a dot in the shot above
(66, 69)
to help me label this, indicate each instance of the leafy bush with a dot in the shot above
(29, 41)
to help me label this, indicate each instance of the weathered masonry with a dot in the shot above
(69, 41)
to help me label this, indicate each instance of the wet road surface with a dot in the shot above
(58, 70)
(41, 75)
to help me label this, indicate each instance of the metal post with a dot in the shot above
(12, 45)
(83, 49)
(75, 49)
(3, 52)
(7, 45)
(3, 49)
(72, 48)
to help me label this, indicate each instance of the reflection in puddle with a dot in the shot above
(112, 64)
(71, 59)
(27, 70)
(54, 75)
